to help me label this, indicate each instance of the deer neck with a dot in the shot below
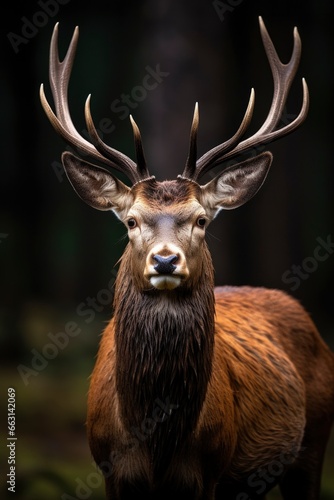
(164, 348)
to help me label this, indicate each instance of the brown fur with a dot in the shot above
(167, 193)
(193, 393)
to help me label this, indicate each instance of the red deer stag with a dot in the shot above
(197, 393)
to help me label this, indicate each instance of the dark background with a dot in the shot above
(58, 255)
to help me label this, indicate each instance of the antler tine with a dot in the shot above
(141, 162)
(192, 157)
(59, 74)
(283, 75)
(206, 162)
(116, 159)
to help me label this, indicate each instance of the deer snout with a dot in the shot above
(166, 267)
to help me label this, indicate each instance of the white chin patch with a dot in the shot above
(165, 281)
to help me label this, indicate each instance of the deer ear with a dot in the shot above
(96, 186)
(236, 185)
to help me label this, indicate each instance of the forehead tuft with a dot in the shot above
(166, 193)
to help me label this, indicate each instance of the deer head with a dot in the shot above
(166, 221)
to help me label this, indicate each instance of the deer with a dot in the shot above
(198, 392)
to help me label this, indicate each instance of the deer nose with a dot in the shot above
(165, 265)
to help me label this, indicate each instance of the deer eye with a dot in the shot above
(132, 223)
(201, 221)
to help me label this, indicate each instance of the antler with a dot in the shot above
(283, 75)
(59, 75)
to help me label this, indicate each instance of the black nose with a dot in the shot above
(165, 264)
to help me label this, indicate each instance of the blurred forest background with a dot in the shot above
(58, 255)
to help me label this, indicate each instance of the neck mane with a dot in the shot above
(164, 348)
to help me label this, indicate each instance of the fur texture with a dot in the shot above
(200, 393)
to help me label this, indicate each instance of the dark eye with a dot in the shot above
(132, 223)
(201, 221)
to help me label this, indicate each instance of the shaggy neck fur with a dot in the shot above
(164, 348)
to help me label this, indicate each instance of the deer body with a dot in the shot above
(192, 387)
(197, 393)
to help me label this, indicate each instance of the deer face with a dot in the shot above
(166, 228)
(166, 221)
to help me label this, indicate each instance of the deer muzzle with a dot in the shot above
(166, 267)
